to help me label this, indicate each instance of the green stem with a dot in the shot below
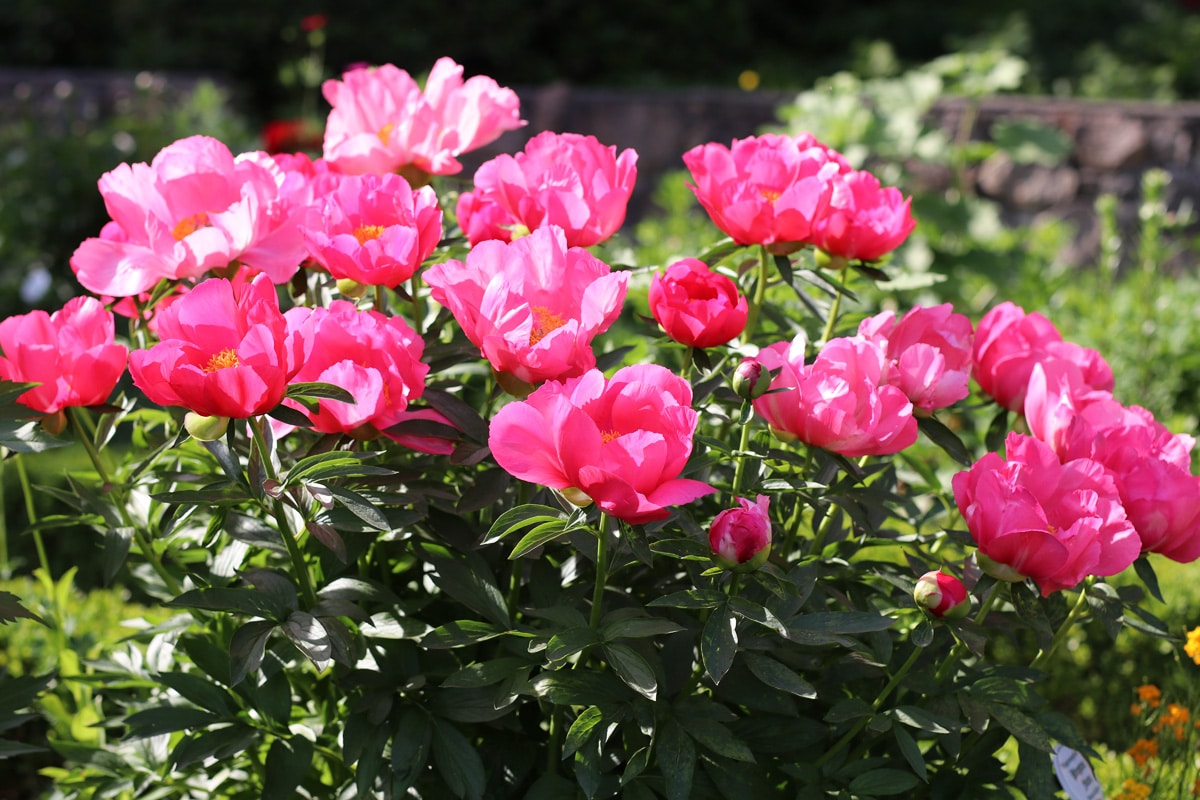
(77, 422)
(1061, 635)
(739, 472)
(849, 735)
(285, 528)
(960, 648)
(60, 638)
(601, 573)
(554, 745)
(418, 308)
(760, 293)
(835, 309)
(688, 361)
(818, 542)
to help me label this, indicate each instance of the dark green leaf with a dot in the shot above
(884, 782)
(461, 415)
(200, 690)
(486, 673)
(28, 437)
(468, 579)
(639, 627)
(10, 749)
(320, 391)
(631, 668)
(582, 729)
(116, 549)
(919, 718)
(521, 517)
(246, 649)
(167, 719)
(288, 761)
(12, 610)
(719, 252)
(778, 676)
(754, 612)
(718, 643)
(690, 598)
(997, 430)
(911, 752)
(459, 634)
(247, 601)
(543, 534)
(565, 644)
(410, 748)
(457, 762)
(1022, 726)
(1035, 773)
(358, 590)
(946, 439)
(841, 622)
(676, 757)
(360, 507)
(1145, 571)
(309, 636)
(290, 416)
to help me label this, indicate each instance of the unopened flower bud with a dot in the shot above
(348, 287)
(55, 423)
(942, 595)
(576, 497)
(741, 537)
(751, 379)
(205, 429)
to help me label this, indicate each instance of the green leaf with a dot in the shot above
(459, 634)
(358, 590)
(919, 718)
(582, 729)
(28, 437)
(1022, 726)
(360, 507)
(309, 637)
(200, 690)
(718, 643)
(487, 673)
(11, 609)
(11, 749)
(778, 676)
(457, 762)
(676, 757)
(1145, 571)
(410, 749)
(248, 601)
(542, 534)
(1028, 141)
(167, 719)
(631, 668)
(757, 613)
(288, 762)
(333, 464)
(690, 598)
(884, 782)
(246, 649)
(116, 549)
(946, 439)
(639, 628)
(567, 643)
(911, 752)
(468, 579)
(840, 622)
(997, 430)
(320, 391)
(520, 517)
(720, 251)
(461, 415)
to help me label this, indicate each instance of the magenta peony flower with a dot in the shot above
(768, 190)
(620, 442)
(1009, 342)
(532, 307)
(697, 306)
(223, 351)
(928, 354)
(740, 537)
(942, 595)
(374, 229)
(381, 121)
(838, 402)
(71, 353)
(562, 179)
(194, 208)
(864, 221)
(1054, 522)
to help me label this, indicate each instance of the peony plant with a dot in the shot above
(429, 509)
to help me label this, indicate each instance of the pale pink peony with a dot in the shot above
(697, 306)
(381, 121)
(864, 221)
(193, 209)
(561, 179)
(838, 402)
(223, 351)
(1054, 522)
(71, 353)
(928, 354)
(1009, 342)
(532, 307)
(373, 229)
(621, 442)
(767, 190)
(740, 538)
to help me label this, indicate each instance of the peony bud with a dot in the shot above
(751, 379)
(741, 537)
(205, 429)
(942, 595)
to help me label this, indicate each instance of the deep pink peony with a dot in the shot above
(194, 208)
(928, 354)
(864, 221)
(740, 537)
(71, 353)
(374, 229)
(697, 306)
(532, 307)
(838, 402)
(621, 442)
(223, 351)
(1151, 465)
(381, 121)
(1009, 342)
(768, 189)
(1054, 522)
(376, 358)
(562, 179)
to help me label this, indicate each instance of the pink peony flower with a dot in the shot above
(767, 190)
(223, 351)
(740, 537)
(864, 221)
(621, 442)
(1151, 465)
(928, 354)
(482, 218)
(838, 402)
(562, 179)
(374, 229)
(697, 306)
(381, 121)
(1009, 342)
(532, 307)
(942, 595)
(71, 353)
(194, 208)
(1054, 522)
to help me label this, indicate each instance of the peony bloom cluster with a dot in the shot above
(928, 354)
(1009, 343)
(532, 307)
(740, 537)
(786, 192)
(697, 306)
(71, 353)
(561, 179)
(194, 208)
(381, 120)
(619, 442)
(374, 230)
(223, 351)
(840, 402)
(1034, 516)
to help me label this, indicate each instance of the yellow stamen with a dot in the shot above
(770, 194)
(544, 321)
(226, 358)
(365, 233)
(189, 225)
(608, 436)
(385, 133)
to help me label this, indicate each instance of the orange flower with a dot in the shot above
(1176, 717)
(1149, 694)
(1133, 789)
(1143, 750)
(1192, 647)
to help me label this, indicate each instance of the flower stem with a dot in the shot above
(760, 292)
(1061, 635)
(285, 528)
(960, 648)
(834, 309)
(739, 472)
(601, 573)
